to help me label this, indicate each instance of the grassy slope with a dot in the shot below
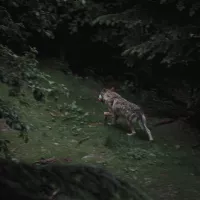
(164, 171)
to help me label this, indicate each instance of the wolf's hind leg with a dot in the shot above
(133, 132)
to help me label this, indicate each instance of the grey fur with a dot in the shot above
(120, 107)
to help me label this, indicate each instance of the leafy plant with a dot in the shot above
(144, 35)
(72, 111)
(23, 71)
(9, 113)
(4, 148)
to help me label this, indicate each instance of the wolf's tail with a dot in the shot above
(143, 124)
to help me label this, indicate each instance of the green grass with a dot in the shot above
(166, 172)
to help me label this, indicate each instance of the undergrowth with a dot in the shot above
(21, 72)
(71, 129)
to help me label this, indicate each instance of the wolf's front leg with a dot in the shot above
(106, 115)
(114, 119)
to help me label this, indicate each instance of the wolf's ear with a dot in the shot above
(112, 89)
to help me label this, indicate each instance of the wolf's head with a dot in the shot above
(103, 92)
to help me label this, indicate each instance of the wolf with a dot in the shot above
(120, 107)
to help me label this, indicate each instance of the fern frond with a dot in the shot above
(194, 8)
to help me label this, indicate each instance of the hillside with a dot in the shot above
(72, 129)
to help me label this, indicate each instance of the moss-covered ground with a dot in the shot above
(166, 169)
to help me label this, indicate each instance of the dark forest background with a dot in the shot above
(153, 45)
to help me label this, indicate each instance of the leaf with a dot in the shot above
(49, 90)
(163, 1)
(83, 2)
(73, 105)
(51, 82)
(15, 4)
(37, 14)
(195, 7)
(180, 5)
(49, 34)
